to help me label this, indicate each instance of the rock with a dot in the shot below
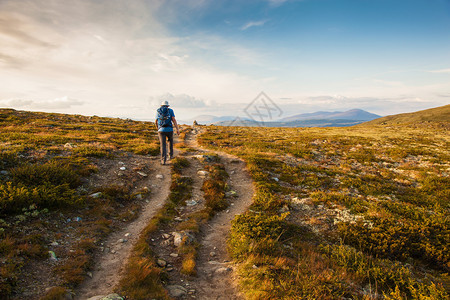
(276, 179)
(113, 251)
(161, 262)
(173, 254)
(182, 238)
(89, 274)
(178, 219)
(52, 256)
(176, 290)
(166, 236)
(159, 176)
(212, 253)
(165, 243)
(202, 173)
(127, 234)
(284, 209)
(122, 241)
(255, 267)
(68, 146)
(4, 172)
(142, 174)
(107, 297)
(120, 173)
(231, 194)
(96, 195)
(55, 243)
(139, 197)
(191, 203)
(122, 168)
(222, 270)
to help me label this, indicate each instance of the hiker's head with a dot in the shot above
(165, 103)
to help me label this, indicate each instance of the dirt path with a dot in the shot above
(106, 273)
(215, 276)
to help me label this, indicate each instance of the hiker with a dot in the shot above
(165, 119)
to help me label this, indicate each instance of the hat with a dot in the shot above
(165, 103)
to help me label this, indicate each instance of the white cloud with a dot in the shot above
(58, 103)
(253, 24)
(440, 71)
(182, 100)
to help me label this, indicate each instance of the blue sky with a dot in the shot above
(121, 58)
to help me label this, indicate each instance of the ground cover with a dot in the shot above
(359, 212)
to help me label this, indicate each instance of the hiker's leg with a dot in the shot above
(170, 137)
(162, 142)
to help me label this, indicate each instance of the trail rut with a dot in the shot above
(215, 274)
(109, 266)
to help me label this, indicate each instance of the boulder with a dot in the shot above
(176, 290)
(182, 238)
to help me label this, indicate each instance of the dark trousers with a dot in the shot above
(162, 140)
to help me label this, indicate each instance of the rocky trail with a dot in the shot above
(117, 247)
(215, 278)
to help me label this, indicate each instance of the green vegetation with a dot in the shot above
(359, 212)
(143, 277)
(45, 162)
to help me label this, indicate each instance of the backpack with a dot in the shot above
(164, 119)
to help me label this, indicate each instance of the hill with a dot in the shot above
(434, 115)
(353, 114)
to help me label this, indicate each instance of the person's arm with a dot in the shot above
(176, 125)
(156, 123)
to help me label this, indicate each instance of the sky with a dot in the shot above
(122, 58)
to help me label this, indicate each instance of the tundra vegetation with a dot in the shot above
(46, 161)
(359, 212)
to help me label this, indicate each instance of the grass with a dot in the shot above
(373, 219)
(143, 277)
(45, 160)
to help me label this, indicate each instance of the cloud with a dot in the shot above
(182, 101)
(253, 24)
(58, 103)
(440, 71)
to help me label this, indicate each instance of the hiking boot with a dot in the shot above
(163, 162)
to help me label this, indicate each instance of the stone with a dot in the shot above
(159, 176)
(122, 241)
(54, 244)
(68, 146)
(139, 197)
(202, 173)
(182, 238)
(231, 194)
(191, 203)
(276, 179)
(166, 236)
(89, 274)
(142, 174)
(173, 254)
(96, 195)
(176, 290)
(178, 219)
(161, 262)
(52, 256)
(212, 253)
(4, 172)
(165, 243)
(122, 168)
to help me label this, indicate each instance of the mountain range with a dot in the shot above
(315, 119)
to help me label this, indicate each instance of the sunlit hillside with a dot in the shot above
(359, 212)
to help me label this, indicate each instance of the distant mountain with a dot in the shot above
(353, 114)
(208, 119)
(433, 115)
(299, 123)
